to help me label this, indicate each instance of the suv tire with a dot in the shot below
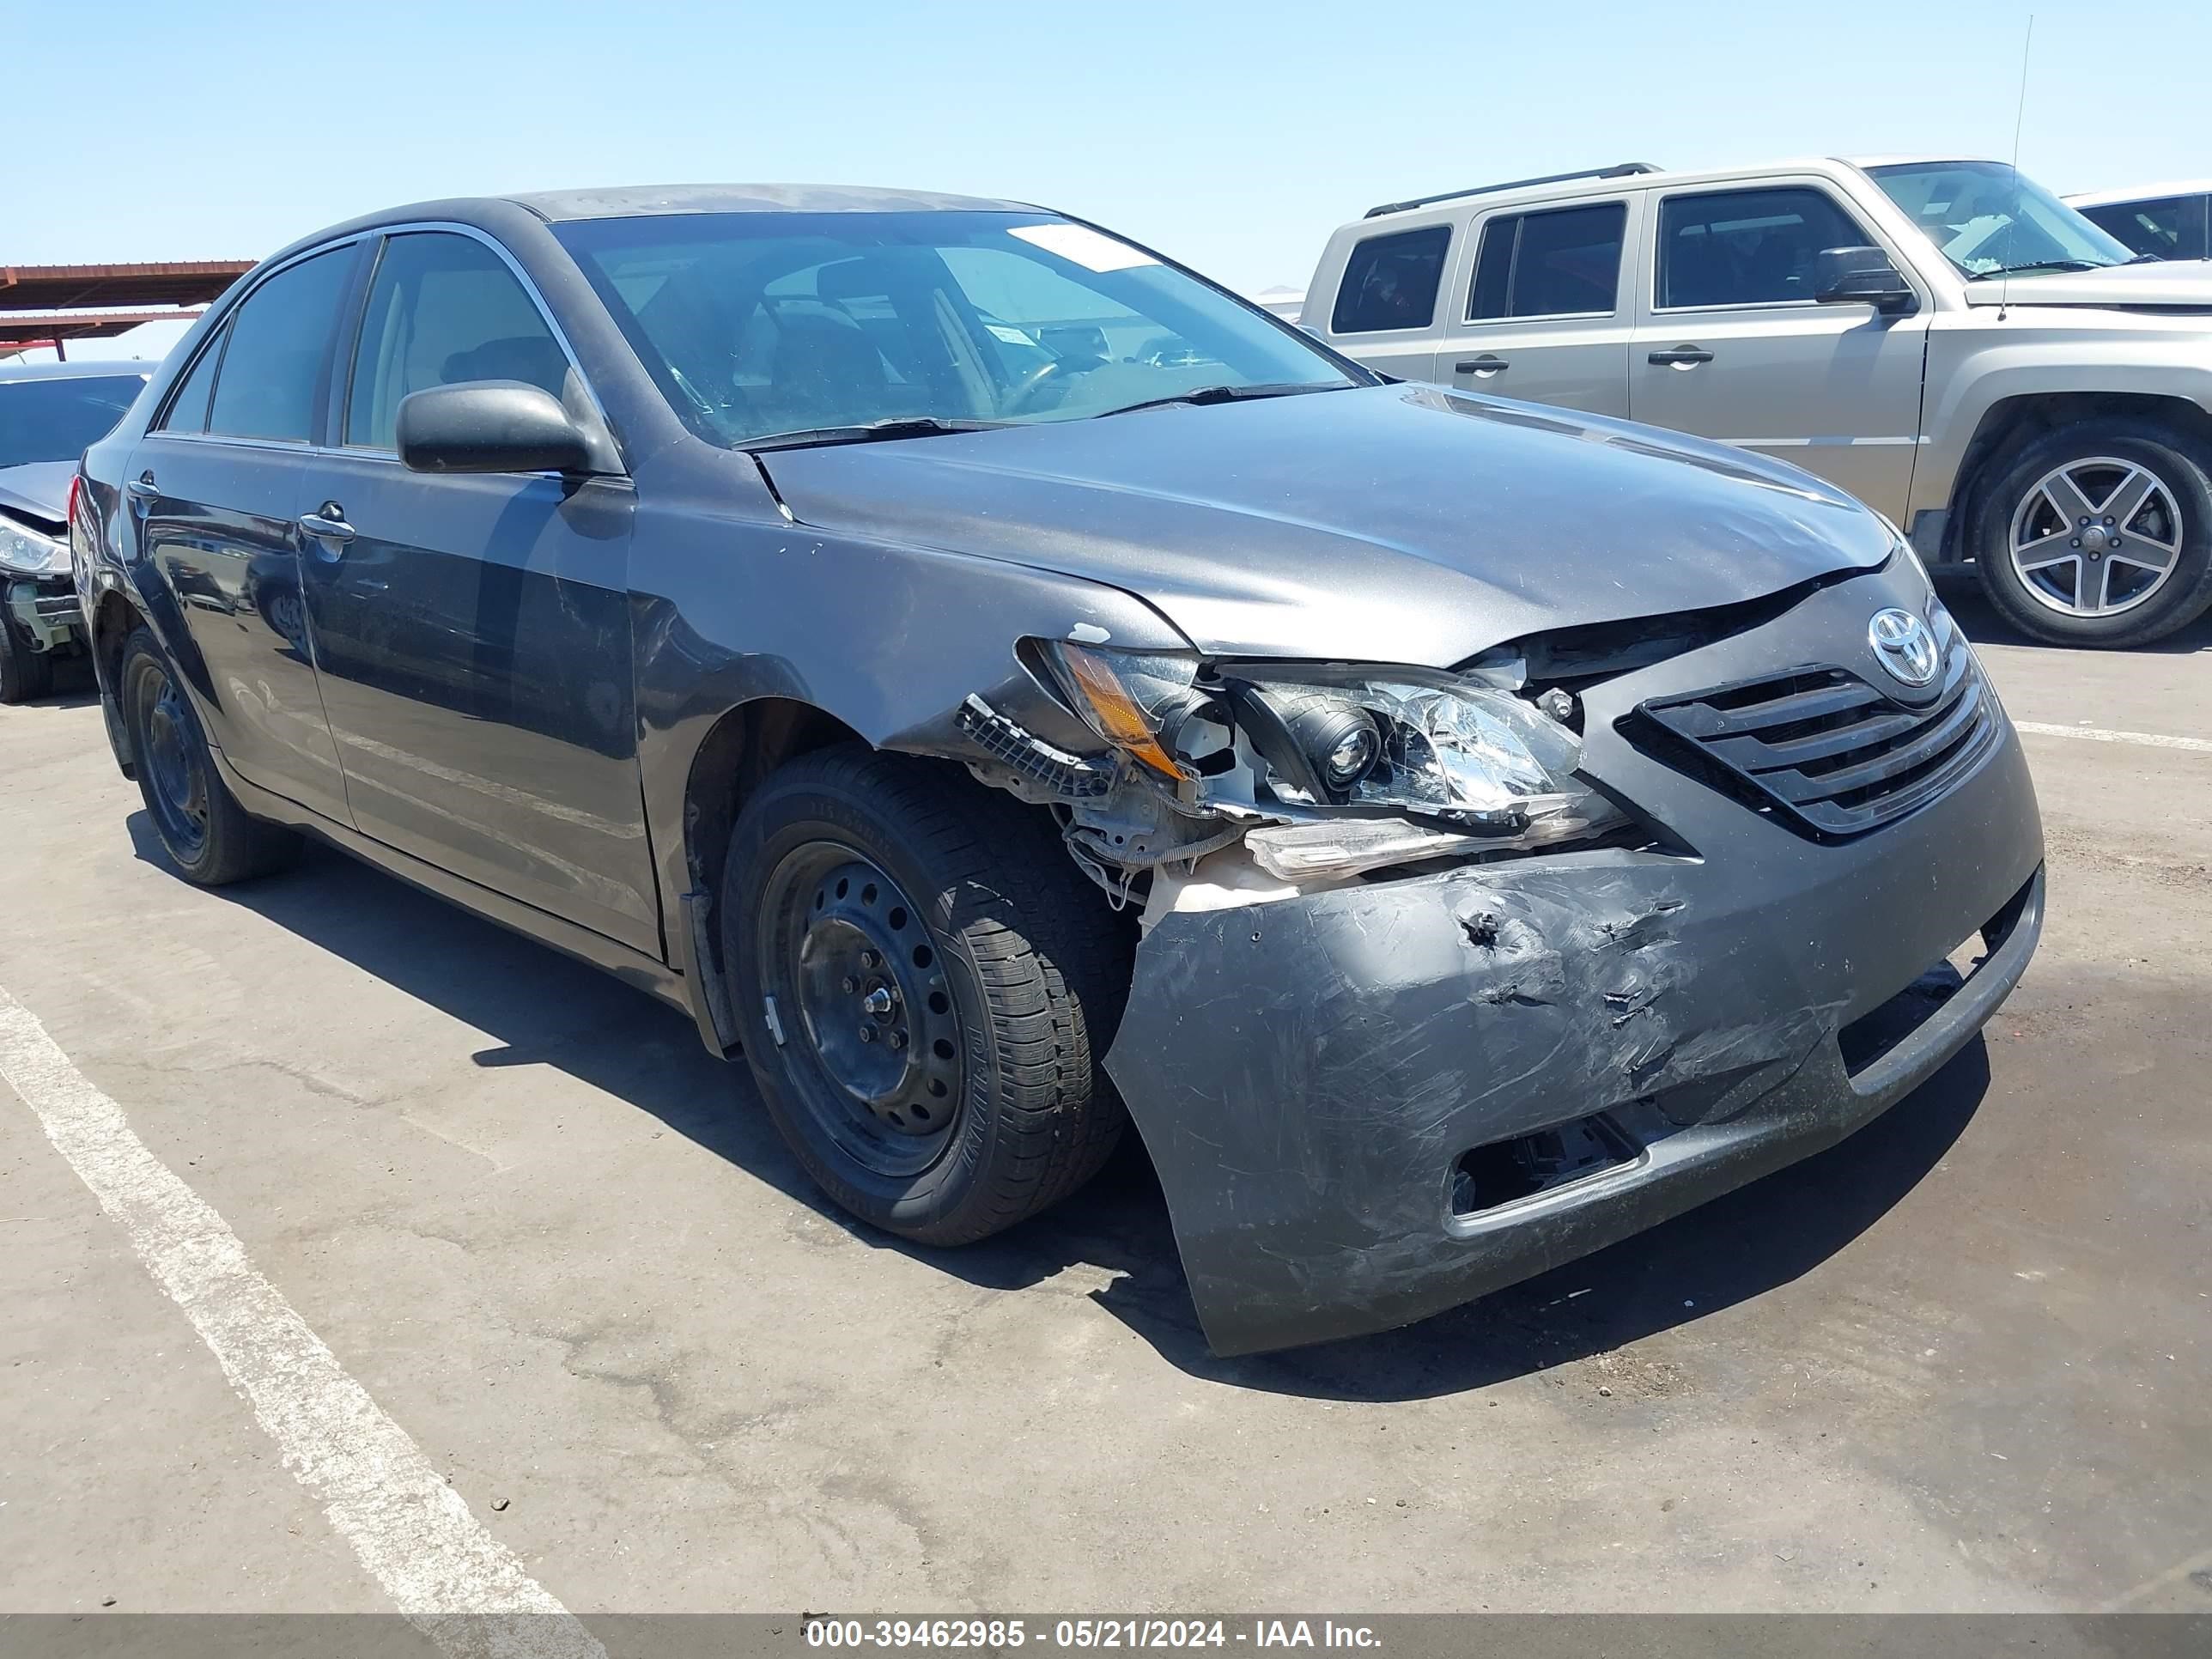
(210, 839)
(2049, 581)
(923, 980)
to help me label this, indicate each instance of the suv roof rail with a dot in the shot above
(1617, 170)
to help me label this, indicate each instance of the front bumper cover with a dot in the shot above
(43, 609)
(1307, 1073)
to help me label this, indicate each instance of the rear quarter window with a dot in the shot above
(1391, 282)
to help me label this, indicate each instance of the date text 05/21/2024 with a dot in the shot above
(1000, 1634)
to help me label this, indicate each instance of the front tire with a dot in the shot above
(2098, 534)
(210, 839)
(924, 983)
(25, 674)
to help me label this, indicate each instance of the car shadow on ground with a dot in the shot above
(1962, 591)
(543, 1008)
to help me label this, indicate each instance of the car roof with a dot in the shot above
(80, 370)
(2139, 192)
(1609, 182)
(627, 201)
(504, 214)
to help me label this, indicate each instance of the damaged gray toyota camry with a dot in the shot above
(1004, 686)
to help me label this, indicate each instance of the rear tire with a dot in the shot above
(25, 674)
(881, 894)
(209, 837)
(2054, 567)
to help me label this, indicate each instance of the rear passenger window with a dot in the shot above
(1743, 248)
(266, 386)
(188, 410)
(1391, 282)
(1550, 265)
(442, 310)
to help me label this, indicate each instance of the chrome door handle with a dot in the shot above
(326, 527)
(1680, 357)
(143, 488)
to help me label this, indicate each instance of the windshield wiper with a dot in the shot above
(869, 432)
(2037, 264)
(1231, 394)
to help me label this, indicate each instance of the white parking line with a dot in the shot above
(460, 1586)
(2099, 734)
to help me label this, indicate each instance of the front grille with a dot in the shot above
(1823, 750)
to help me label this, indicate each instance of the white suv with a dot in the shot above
(1944, 339)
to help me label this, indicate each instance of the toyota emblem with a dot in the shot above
(1905, 646)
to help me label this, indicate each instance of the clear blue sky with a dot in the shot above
(1235, 136)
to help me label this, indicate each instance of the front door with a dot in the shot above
(1733, 346)
(1546, 315)
(474, 630)
(215, 483)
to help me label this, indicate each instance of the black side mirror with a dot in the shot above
(1860, 275)
(489, 426)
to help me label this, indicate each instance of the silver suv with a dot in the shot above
(1945, 339)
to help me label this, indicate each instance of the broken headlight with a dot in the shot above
(1349, 752)
(26, 552)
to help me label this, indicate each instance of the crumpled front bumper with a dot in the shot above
(44, 610)
(1307, 1073)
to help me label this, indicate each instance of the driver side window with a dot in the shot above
(443, 309)
(1744, 248)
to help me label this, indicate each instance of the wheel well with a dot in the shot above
(113, 620)
(744, 747)
(2011, 421)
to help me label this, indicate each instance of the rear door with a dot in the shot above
(474, 629)
(1732, 345)
(1545, 311)
(217, 483)
(1389, 298)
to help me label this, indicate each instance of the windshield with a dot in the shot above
(1989, 219)
(57, 420)
(759, 326)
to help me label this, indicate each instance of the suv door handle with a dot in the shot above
(143, 487)
(327, 524)
(1480, 366)
(1680, 357)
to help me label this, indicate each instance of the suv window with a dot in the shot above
(1391, 282)
(1743, 248)
(443, 309)
(266, 386)
(2169, 228)
(1549, 264)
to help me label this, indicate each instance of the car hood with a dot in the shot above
(1391, 524)
(39, 488)
(2166, 284)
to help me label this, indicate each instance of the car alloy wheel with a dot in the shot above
(866, 999)
(2096, 536)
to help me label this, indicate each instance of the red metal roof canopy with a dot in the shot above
(30, 328)
(57, 288)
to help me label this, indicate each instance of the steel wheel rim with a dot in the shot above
(849, 953)
(2096, 536)
(176, 766)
